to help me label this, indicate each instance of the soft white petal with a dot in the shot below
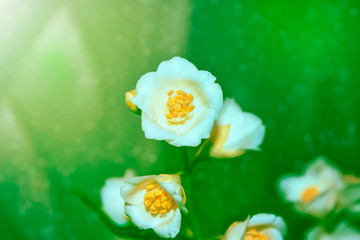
(145, 90)
(113, 203)
(326, 173)
(201, 131)
(134, 190)
(246, 129)
(268, 221)
(174, 189)
(272, 234)
(154, 131)
(142, 217)
(320, 206)
(293, 187)
(170, 226)
(176, 68)
(237, 230)
(249, 137)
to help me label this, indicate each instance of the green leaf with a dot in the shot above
(125, 232)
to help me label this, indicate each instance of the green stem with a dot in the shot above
(186, 179)
(186, 160)
(194, 224)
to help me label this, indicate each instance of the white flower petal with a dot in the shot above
(141, 217)
(246, 131)
(134, 190)
(293, 187)
(249, 137)
(272, 234)
(113, 203)
(268, 221)
(174, 189)
(330, 176)
(170, 226)
(237, 230)
(154, 131)
(320, 206)
(201, 131)
(144, 93)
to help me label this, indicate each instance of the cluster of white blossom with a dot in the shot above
(320, 191)
(183, 105)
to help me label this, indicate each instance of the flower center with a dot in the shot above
(157, 200)
(178, 106)
(309, 194)
(252, 234)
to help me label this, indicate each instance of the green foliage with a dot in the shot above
(64, 69)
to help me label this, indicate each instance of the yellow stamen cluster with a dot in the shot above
(310, 194)
(179, 106)
(157, 200)
(252, 234)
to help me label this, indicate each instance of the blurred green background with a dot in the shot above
(64, 69)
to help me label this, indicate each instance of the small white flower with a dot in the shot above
(317, 191)
(179, 103)
(154, 202)
(342, 232)
(236, 131)
(259, 227)
(113, 203)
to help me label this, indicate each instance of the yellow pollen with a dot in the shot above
(253, 234)
(147, 203)
(310, 194)
(157, 200)
(170, 93)
(179, 106)
(164, 204)
(150, 187)
(158, 192)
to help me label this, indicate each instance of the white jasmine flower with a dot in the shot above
(154, 202)
(236, 131)
(316, 192)
(179, 103)
(113, 203)
(342, 232)
(259, 227)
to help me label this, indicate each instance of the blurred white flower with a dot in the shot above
(258, 227)
(112, 202)
(235, 131)
(179, 103)
(342, 232)
(317, 191)
(350, 195)
(154, 202)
